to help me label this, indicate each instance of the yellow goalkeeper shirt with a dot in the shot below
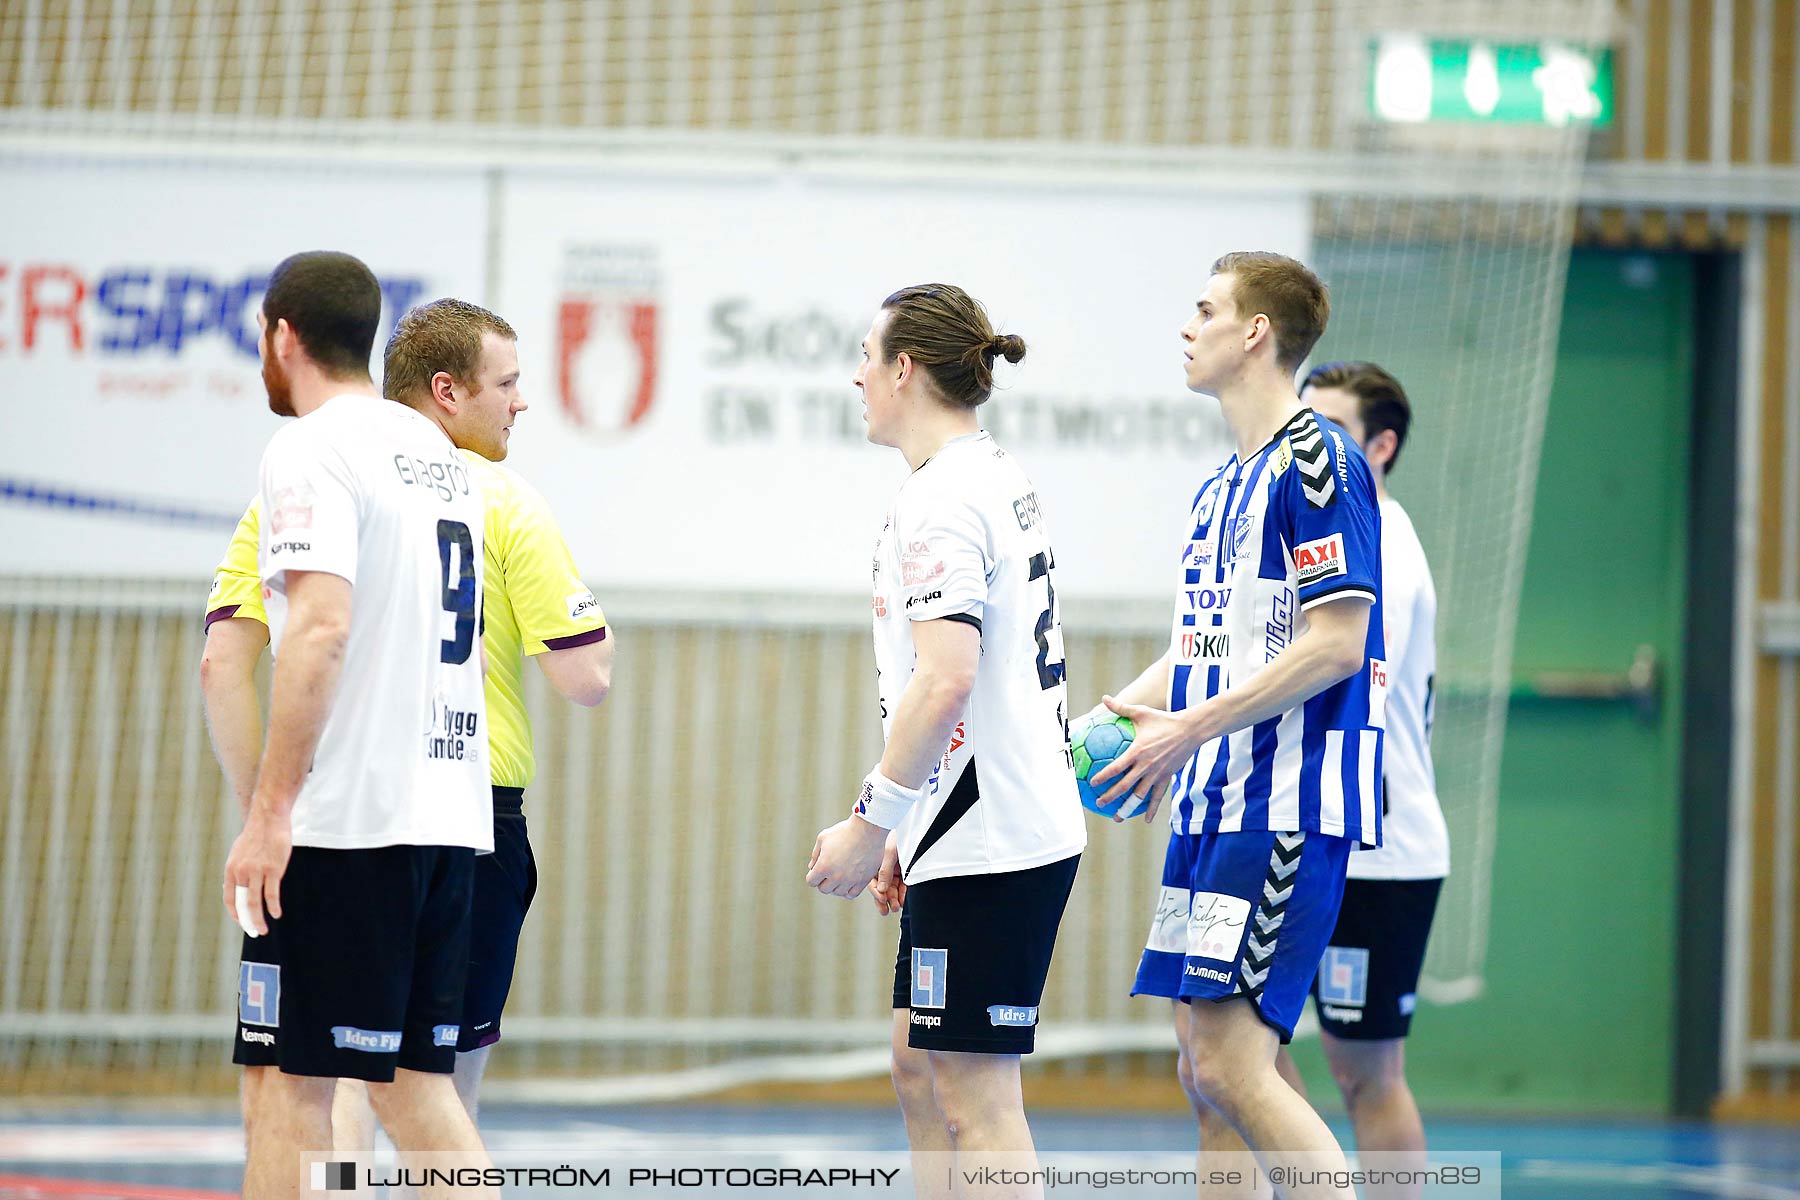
(535, 601)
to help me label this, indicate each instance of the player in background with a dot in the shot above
(466, 360)
(352, 872)
(1368, 979)
(970, 826)
(1265, 713)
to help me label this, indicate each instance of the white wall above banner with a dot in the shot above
(688, 344)
(133, 409)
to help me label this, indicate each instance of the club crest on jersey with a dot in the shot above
(607, 319)
(1320, 559)
(1241, 538)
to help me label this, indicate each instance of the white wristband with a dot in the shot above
(884, 802)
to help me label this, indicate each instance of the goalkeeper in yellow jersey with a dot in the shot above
(463, 361)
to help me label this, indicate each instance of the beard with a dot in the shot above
(275, 382)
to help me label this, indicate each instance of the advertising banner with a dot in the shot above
(689, 344)
(133, 409)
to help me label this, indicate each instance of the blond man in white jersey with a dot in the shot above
(970, 826)
(1367, 985)
(352, 874)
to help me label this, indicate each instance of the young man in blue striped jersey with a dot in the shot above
(1263, 721)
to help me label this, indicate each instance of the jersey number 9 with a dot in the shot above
(459, 589)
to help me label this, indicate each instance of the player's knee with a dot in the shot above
(1212, 1082)
(968, 1099)
(911, 1070)
(396, 1102)
(1184, 1074)
(1365, 1077)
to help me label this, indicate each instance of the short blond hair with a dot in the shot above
(1297, 302)
(444, 335)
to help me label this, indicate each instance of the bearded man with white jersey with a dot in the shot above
(1265, 715)
(352, 874)
(970, 826)
(1368, 980)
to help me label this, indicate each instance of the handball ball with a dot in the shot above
(1096, 740)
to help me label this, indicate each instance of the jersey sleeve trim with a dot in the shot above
(965, 618)
(576, 639)
(222, 613)
(1338, 593)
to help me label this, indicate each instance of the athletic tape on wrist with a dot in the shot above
(884, 802)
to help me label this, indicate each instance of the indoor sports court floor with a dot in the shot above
(109, 1155)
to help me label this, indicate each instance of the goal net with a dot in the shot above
(672, 949)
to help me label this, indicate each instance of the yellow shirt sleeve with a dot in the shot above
(237, 584)
(553, 608)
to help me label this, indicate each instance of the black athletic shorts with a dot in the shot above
(364, 970)
(505, 882)
(1369, 977)
(974, 954)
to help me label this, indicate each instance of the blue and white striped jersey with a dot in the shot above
(1294, 525)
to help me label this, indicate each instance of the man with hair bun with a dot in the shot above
(1263, 720)
(970, 826)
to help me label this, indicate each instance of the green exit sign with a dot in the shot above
(1413, 79)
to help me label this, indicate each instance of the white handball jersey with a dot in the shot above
(369, 490)
(965, 541)
(1414, 842)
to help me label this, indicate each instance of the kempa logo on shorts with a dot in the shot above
(1011, 1014)
(372, 1041)
(1201, 972)
(259, 994)
(1344, 976)
(261, 1039)
(927, 1020)
(930, 965)
(1349, 1016)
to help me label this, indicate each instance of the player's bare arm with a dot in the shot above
(581, 674)
(847, 857)
(233, 709)
(306, 680)
(1331, 649)
(1149, 688)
